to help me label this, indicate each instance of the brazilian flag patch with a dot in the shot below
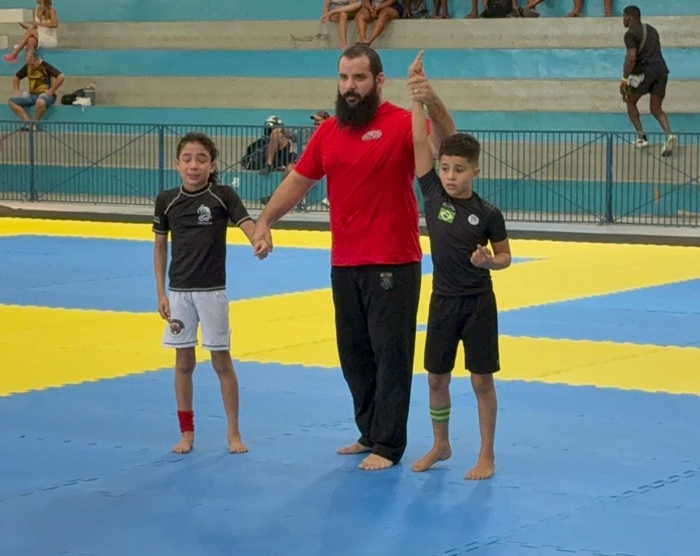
(447, 214)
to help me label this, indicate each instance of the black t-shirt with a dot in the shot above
(255, 157)
(197, 223)
(456, 227)
(650, 55)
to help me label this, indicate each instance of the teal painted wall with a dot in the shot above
(569, 64)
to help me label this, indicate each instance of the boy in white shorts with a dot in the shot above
(197, 214)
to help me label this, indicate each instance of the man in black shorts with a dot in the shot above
(644, 72)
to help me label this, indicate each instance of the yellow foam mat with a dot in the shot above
(43, 347)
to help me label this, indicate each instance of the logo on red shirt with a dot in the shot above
(372, 135)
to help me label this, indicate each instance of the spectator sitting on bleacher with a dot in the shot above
(41, 34)
(318, 118)
(380, 11)
(340, 12)
(44, 81)
(577, 10)
(415, 9)
(274, 151)
(440, 9)
(475, 10)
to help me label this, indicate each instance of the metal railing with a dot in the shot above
(586, 177)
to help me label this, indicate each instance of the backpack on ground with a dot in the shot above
(69, 98)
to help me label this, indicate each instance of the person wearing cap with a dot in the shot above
(319, 116)
(274, 151)
(44, 81)
(318, 119)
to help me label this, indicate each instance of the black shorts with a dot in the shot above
(654, 83)
(473, 319)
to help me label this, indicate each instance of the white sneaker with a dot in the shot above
(671, 141)
(641, 142)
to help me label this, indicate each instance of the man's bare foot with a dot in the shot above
(373, 462)
(185, 444)
(484, 469)
(354, 448)
(436, 453)
(235, 444)
(471, 15)
(573, 14)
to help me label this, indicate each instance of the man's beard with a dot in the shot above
(360, 114)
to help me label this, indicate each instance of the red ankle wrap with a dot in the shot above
(186, 419)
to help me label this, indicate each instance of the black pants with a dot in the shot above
(375, 321)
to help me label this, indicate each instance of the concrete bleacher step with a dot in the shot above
(584, 95)
(9, 28)
(675, 31)
(15, 15)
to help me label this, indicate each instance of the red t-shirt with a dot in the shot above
(373, 208)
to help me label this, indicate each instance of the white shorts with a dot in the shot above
(188, 309)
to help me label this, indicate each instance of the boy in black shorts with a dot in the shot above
(462, 305)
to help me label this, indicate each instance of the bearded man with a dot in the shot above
(366, 153)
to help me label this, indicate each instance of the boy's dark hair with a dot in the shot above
(461, 144)
(207, 143)
(360, 50)
(633, 11)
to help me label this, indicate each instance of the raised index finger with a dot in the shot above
(416, 67)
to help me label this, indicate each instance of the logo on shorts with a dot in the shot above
(204, 214)
(473, 219)
(176, 327)
(372, 135)
(386, 280)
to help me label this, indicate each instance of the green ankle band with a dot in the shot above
(440, 414)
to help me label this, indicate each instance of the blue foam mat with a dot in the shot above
(659, 315)
(88, 471)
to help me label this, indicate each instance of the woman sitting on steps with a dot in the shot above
(41, 34)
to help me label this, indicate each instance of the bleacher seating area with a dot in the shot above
(234, 62)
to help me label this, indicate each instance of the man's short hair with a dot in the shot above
(360, 50)
(633, 11)
(461, 144)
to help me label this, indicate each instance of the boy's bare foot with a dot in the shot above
(185, 444)
(573, 14)
(472, 15)
(484, 469)
(373, 462)
(436, 453)
(354, 448)
(235, 444)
